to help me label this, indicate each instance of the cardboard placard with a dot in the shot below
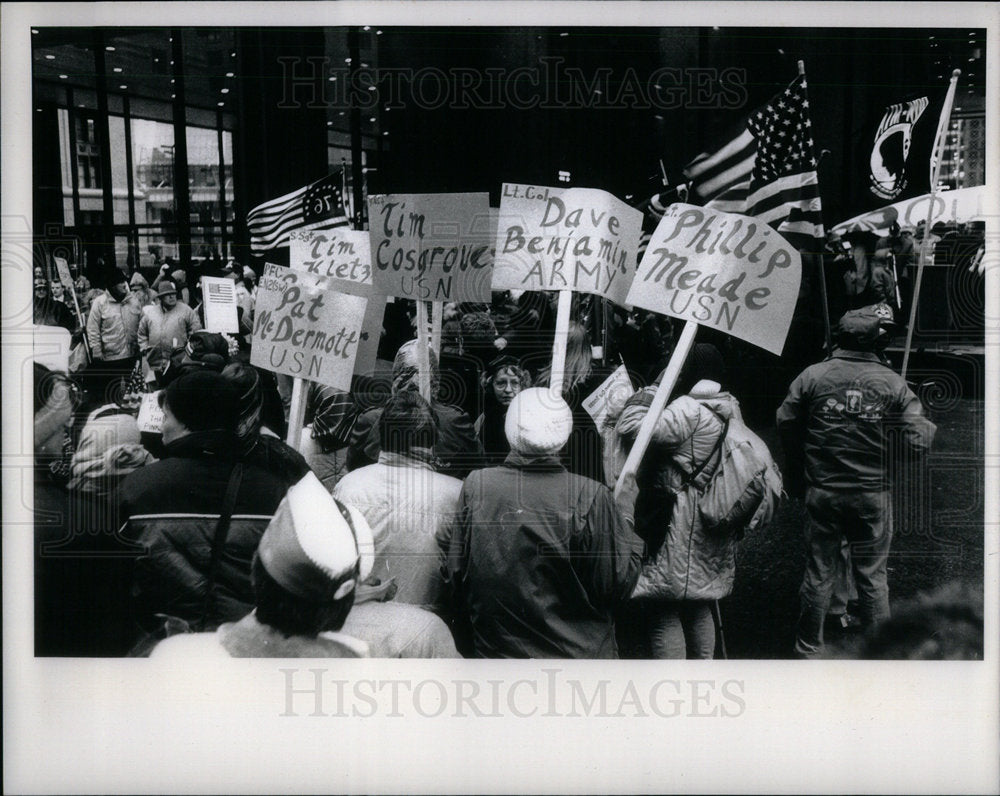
(343, 256)
(304, 329)
(64, 275)
(432, 247)
(580, 239)
(150, 417)
(721, 270)
(219, 298)
(949, 207)
(615, 389)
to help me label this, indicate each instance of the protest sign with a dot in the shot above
(579, 239)
(431, 247)
(64, 275)
(150, 417)
(343, 256)
(947, 207)
(614, 390)
(219, 297)
(721, 270)
(305, 329)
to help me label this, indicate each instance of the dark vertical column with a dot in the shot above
(182, 195)
(222, 186)
(356, 149)
(104, 147)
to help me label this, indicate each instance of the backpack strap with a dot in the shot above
(219, 540)
(716, 450)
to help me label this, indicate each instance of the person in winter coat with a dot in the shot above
(113, 323)
(540, 558)
(172, 508)
(165, 326)
(685, 568)
(305, 575)
(139, 287)
(405, 502)
(835, 425)
(504, 379)
(49, 311)
(457, 451)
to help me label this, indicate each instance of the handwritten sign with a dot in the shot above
(343, 256)
(64, 275)
(580, 239)
(725, 271)
(219, 296)
(150, 417)
(303, 328)
(613, 391)
(431, 247)
(950, 207)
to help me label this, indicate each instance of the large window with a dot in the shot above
(132, 158)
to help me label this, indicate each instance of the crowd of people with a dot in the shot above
(476, 521)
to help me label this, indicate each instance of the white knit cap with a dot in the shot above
(538, 421)
(311, 546)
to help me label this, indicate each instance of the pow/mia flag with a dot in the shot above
(899, 151)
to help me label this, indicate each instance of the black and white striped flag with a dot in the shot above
(317, 206)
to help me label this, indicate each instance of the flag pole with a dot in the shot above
(559, 342)
(935, 174)
(827, 334)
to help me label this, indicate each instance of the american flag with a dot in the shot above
(317, 206)
(769, 170)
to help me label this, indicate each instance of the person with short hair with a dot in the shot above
(457, 451)
(835, 425)
(503, 379)
(48, 310)
(539, 558)
(165, 326)
(404, 500)
(113, 323)
(172, 508)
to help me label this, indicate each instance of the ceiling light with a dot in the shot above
(224, 91)
(110, 49)
(220, 104)
(333, 78)
(34, 30)
(367, 27)
(63, 77)
(347, 60)
(116, 69)
(371, 119)
(378, 33)
(50, 57)
(123, 86)
(229, 74)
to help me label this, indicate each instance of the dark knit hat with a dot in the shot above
(204, 401)
(703, 362)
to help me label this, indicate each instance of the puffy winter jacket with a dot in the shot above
(406, 504)
(161, 331)
(690, 564)
(113, 326)
(172, 508)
